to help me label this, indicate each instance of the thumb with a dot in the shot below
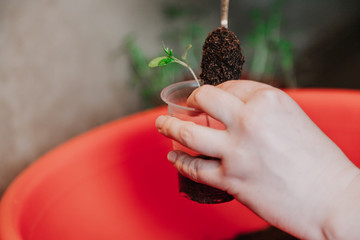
(206, 171)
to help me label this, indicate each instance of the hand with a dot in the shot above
(274, 159)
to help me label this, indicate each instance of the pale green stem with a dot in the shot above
(190, 69)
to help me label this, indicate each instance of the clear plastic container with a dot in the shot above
(175, 97)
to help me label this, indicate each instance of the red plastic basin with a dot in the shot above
(114, 182)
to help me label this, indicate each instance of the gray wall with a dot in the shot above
(62, 73)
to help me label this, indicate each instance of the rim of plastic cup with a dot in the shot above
(189, 83)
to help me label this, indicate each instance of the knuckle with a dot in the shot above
(166, 126)
(193, 169)
(180, 164)
(187, 166)
(185, 134)
(271, 95)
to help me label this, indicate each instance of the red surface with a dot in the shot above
(114, 183)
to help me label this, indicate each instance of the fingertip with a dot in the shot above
(216, 102)
(196, 98)
(172, 156)
(159, 123)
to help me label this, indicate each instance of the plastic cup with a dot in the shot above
(175, 97)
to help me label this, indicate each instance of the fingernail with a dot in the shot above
(172, 156)
(160, 121)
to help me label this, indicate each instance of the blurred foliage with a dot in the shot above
(148, 82)
(270, 55)
(184, 27)
(272, 58)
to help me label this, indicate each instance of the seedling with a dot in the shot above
(169, 58)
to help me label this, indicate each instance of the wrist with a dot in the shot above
(343, 213)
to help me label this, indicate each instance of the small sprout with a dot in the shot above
(169, 58)
(186, 51)
(167, 51)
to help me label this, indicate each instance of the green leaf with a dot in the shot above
(166, 49)
(166, 61)
(160, 61)
(156, 61)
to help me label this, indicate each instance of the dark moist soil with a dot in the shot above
(222, 59)
(202, 193)
(270, 233)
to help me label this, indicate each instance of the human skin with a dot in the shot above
(273, 159)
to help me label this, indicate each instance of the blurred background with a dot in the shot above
(69, 66)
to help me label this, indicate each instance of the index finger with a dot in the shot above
(201, 139)
(216, 102)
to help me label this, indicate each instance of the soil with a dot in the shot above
(222, 59)
(270, 233)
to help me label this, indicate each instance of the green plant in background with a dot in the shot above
(269, 55)
(184, 26)
(272, 58)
